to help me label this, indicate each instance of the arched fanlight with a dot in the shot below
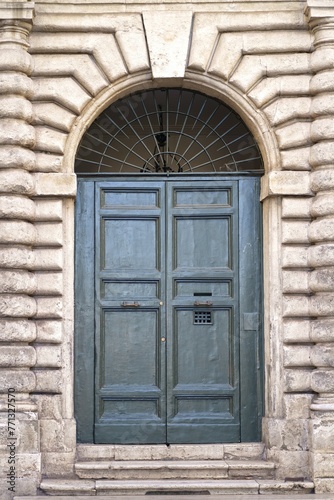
(168, 130)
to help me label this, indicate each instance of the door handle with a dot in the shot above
(130, 304)
(208, 303)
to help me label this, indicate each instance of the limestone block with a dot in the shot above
(81, 67)
(297, 380)
(322, 180)
(253, 68)
(323, 104)
(17, 330)
(322, 330)
(296, 207)
(49, 331)
(322, 280)
(28, 464)
(292, 464)
(17, 232)
(48, 113)
(270, 88)
(27, 431)
(48, 381)
(17, 306)
(46, 162)
(294, 135)
(323, 464)
(322, 230)
(16, 257)
(322, 380)
(56, 464)
(48, 210)
(17, 282)
(64, 91)
(299, 355)
(48, 259)
(16, 181)
(322, 129)
(168, 48)
(131, 43)
(296, 330)
(22, 380)
(48, 356)
(102, 48)
(321, 255)
(295, 281)
(51, 184)
(23, 487)
(285, 183)
(49, 234)
(48, 283)
(17, 207)
(48, 139)
(323, 205)
(289, 108)
(287, 434)
(321, 83)
(321, 154)
(49, 307)
(322, 304)
(294, 256)
(297, 406)
(322, 355)
(295, 305)
(295, 232)
(14, 59)
(323, 485)
(15, 107)
(296, 159)
(17, 356)
(49, 406)
(322, 59)
(16, 132)
(16, 157)
(322, 433)
(15, 83)
(58, 435)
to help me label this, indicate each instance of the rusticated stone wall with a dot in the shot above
(59, 70)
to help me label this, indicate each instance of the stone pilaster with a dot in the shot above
(321, 233)
(20, 440)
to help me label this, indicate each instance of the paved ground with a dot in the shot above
(288, 496)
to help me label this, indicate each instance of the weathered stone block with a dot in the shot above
(285, 182)
(48, 139)
(17, 282)
(15, 107)
(48, 283)
(285, 109)
(297, 355)
(297, 405)
(16, 132)
(48, 259)
(16, 59)
(17, 233)
(49, 406)
(49, 307)
(322, 433)
(295, 135)
(48, 113)
(321, 255)
(17, 306)
(295, 281)
(295, 232)
(296, 159)
(321, 83)
(322, 380)
(322, 180)
(48, 381)
(17, 207)
(17, 356)
(18, 82)
(321, 154)
(323, 464)
(295, 305)
(19, 257)
(323, 205)
(48, 356)
(322, 230)
(48, 162)
(296, 331)
(322, 330)
(323, 485)
(295, 256)
(49, 331)
(49, 234)
(57, 464)
(58, 436)
(17, 330)
(322, 280)
(293, 207)
(27, 431)
(292, 464)
(322, 304)
(22, 380)
(297, 380)
(287, 434)
(49, 210)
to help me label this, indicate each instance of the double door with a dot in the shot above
(168, 310)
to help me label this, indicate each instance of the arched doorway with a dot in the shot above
(168, 273)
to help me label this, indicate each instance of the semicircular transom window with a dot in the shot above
(168, 130)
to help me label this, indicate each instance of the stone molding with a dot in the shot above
(22, 11)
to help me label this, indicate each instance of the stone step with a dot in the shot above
(240, 451)
(174, 469)
(164, 487)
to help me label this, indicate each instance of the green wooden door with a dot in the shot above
(168, 299)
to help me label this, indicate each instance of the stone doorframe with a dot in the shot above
(282, 87)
